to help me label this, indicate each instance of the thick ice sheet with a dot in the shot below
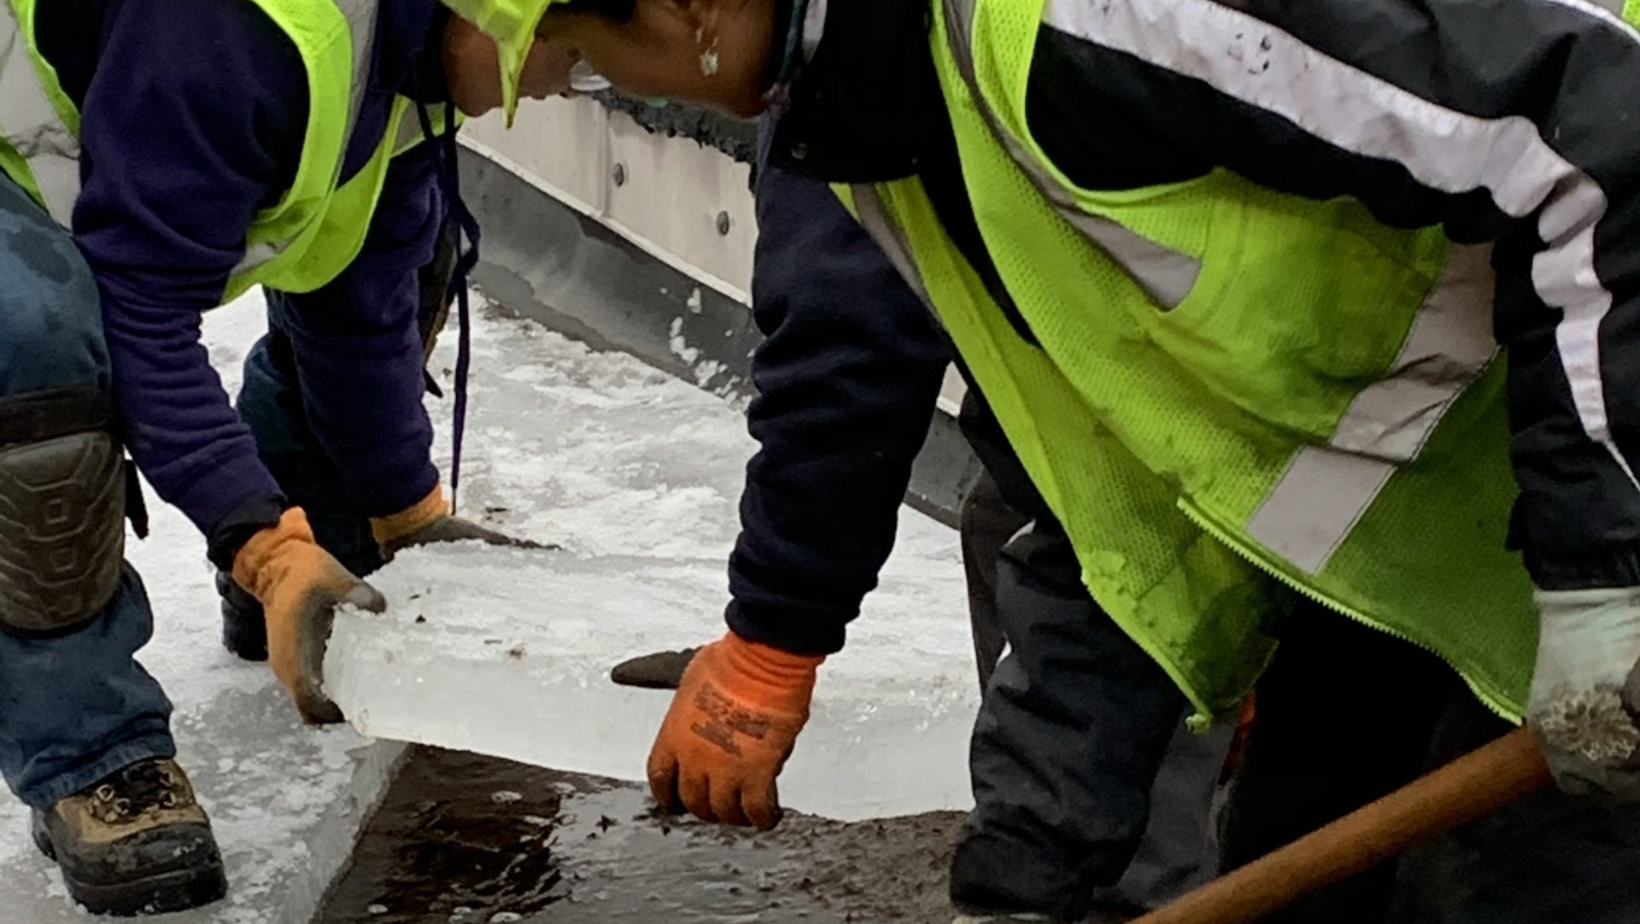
(637, 475)
(286, 801)
(507, 652)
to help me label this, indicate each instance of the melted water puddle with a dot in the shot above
(473, 840)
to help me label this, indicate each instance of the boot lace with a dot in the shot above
(140, 788)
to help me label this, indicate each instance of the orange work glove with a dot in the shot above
(733, 723)
(430, 520)
(299, 586)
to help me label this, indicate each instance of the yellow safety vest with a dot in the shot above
(316, 228)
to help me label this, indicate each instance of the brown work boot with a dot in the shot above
(135, 843)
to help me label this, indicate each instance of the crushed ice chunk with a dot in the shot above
(708, 370)
(679, 346)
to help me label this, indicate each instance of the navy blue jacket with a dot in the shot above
(193, 118)
(848, 379)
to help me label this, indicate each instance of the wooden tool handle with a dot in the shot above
(1471, 787)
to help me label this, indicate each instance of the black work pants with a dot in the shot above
(987, 525)
(1076, 724)
(1345, 715)
(1075, 729)
(1084, 774)
(1091, 796)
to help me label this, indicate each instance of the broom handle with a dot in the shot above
(1471, 787)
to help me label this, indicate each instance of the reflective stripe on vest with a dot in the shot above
(44, 148)
(361, 21)
(1166, 275)
(1627, 10)
(869, 211)
(1326, 489)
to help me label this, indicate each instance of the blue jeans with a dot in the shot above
(77, 707)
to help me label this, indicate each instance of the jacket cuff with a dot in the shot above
(789, 629)
(392, 486)
(237, 528)
(231, 503)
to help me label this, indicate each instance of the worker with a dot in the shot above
(848, 375)
(1310, 325)
(337, 473)
(159, 158)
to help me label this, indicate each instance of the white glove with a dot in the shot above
(1586, 690)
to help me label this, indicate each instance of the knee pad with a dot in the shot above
(62, 515)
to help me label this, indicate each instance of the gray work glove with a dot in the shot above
(429, 521)
(459, 529)
(1586, 690)
(662, 670)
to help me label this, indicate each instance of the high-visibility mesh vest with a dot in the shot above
(316, 228)
(1238, 394)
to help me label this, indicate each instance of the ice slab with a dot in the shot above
(286, 801)
(507, 652)
(639, 475)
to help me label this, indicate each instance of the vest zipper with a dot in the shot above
(1230, 541)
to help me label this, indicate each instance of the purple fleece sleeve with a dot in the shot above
(358, 348)
(193, 123)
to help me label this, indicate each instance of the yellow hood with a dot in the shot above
(512, 24)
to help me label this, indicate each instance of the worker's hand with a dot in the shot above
(662, 670)
(1586, 690)
(472, 69)
(299, 586)
(430, 521)
(733, 723)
